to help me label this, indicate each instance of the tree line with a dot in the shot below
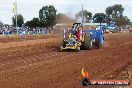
(48, 17)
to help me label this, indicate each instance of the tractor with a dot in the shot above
(70, 42)
(88, 38)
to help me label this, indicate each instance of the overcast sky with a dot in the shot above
(30, 8)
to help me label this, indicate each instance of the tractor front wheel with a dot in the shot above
(77, 49)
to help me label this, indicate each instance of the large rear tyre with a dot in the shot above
(99, 44)
(87, 42)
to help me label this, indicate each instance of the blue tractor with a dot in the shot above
(88, 38)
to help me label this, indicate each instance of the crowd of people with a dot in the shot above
(8, 30)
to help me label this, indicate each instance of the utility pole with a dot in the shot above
(82, 16)
(16, 18)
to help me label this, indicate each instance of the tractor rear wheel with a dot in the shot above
(99, 44)
(87, 41)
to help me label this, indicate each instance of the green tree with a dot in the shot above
(100, 18)
(131, 23)
(47, 16)
(1, 24)
(122, 21)
(35, 22)
(115, 11)
(20, 20)
(87, 15)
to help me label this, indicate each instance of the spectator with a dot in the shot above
(130, 29)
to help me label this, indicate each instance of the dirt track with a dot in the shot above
(35, 63)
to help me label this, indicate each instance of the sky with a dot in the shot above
(30, 8)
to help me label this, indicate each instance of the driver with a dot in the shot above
(78, 33)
